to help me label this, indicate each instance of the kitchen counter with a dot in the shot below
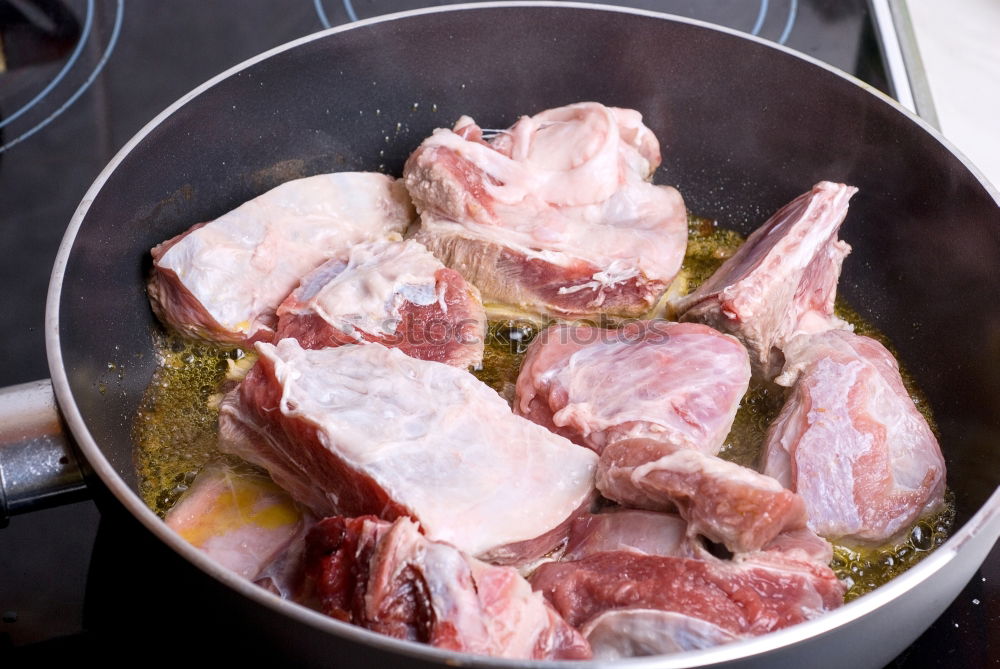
(959, 45)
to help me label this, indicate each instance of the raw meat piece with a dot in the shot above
(223, 280)
(850, 441)
(367, 429)
(720, 500)
(646, 532)
(679, 383)
(804, 544)
(751, 595)
(782, 281)
(241, 519)
(395, 293)
(615, 470)
(391, 579)
(283, 576)
(555, 215)
(624, 633)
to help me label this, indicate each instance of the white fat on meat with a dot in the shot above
(380, 432)
(642, 632)
(395, 293)
(223, 280)
(369, 290)
(782, 281)
(850, 441)
(566, 189)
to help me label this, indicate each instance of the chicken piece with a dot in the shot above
(720, 500)
(391, 579)
(646, 532)
(679, 383)
(850, 441)
(241, 519)
(366, 429)
(622, 633)
(750, 595)
(395, 293)
(223, 280)
(555, 215)
(781, 282)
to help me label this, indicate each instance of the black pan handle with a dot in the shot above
(39, 467)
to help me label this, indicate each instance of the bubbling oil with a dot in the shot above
(176, 428)
(864, 569)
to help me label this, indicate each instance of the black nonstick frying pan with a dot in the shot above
(744, 127)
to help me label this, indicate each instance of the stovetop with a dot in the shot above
(77, 79)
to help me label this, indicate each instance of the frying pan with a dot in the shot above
(744, 125)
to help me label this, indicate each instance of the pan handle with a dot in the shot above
(39, 467)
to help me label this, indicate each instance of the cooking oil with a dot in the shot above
(758, 409)
(176, 428)
(506, 343)
(708, 247)
(864, 569)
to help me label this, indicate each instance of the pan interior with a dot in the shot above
(743, 128)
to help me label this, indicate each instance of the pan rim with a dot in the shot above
(985, 521)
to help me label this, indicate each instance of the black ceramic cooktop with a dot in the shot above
(77, 79)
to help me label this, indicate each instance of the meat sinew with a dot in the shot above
(394, 293)
(679, 383)
(223, 280)
(556, 214)
(803, 544)
(366, 429)
(647, 532)
(713, 600)
(393, 580)
(720, 500)
(850, 441)
(782, 281)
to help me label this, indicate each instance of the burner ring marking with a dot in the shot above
(119, 13)
(77, 50)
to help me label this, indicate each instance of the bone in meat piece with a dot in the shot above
(394, 293)
(679, 383)
(782, 281)
(241, 519)
(850, 441)
(393, 580)
(750, 595)
(723, 501)
(555, 215)
(364, 429)
(223, 280)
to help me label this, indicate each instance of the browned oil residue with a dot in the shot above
(176, 428)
